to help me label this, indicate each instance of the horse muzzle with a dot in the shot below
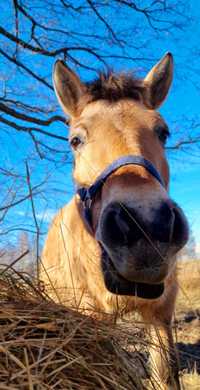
(137, 249)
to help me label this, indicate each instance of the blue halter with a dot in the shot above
(87, 194)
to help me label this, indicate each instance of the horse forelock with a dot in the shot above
(113, 87)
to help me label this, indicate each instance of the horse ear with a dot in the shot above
(68, 87)
(158, 81)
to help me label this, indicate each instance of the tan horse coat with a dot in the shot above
(71, 266)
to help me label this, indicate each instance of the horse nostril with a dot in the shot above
(163, 224)
(180, 228)
(119, 226)
(117, 229)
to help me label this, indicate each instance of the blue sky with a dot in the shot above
(182, 104)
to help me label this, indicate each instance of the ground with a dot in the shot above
(186, 330)
(44, 345)
(187, 323)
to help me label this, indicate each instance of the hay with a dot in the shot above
(46, 346)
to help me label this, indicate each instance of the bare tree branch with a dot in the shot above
(89, 35)
(27, 118)
(31, 195)
(31, 129)
(24, 67)
(179, 144)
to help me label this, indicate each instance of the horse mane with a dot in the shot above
(115, 86)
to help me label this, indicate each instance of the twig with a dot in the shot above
(28, 179)
(14, 262)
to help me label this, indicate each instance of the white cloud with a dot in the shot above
(44, 215)
(197, 248)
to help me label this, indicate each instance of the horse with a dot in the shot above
(113, 248)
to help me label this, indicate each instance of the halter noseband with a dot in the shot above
(87, 194)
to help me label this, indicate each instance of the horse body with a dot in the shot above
(136, 230)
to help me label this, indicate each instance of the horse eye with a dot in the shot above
(75, 142)
(162, 133)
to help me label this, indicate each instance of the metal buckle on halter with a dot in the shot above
(87, 203)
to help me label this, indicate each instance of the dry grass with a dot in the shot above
(46, 346)
(189, 282)
(191, 380)
(188, 323)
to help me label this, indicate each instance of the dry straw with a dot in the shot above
(46, 346)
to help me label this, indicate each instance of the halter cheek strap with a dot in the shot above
(87, 194)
